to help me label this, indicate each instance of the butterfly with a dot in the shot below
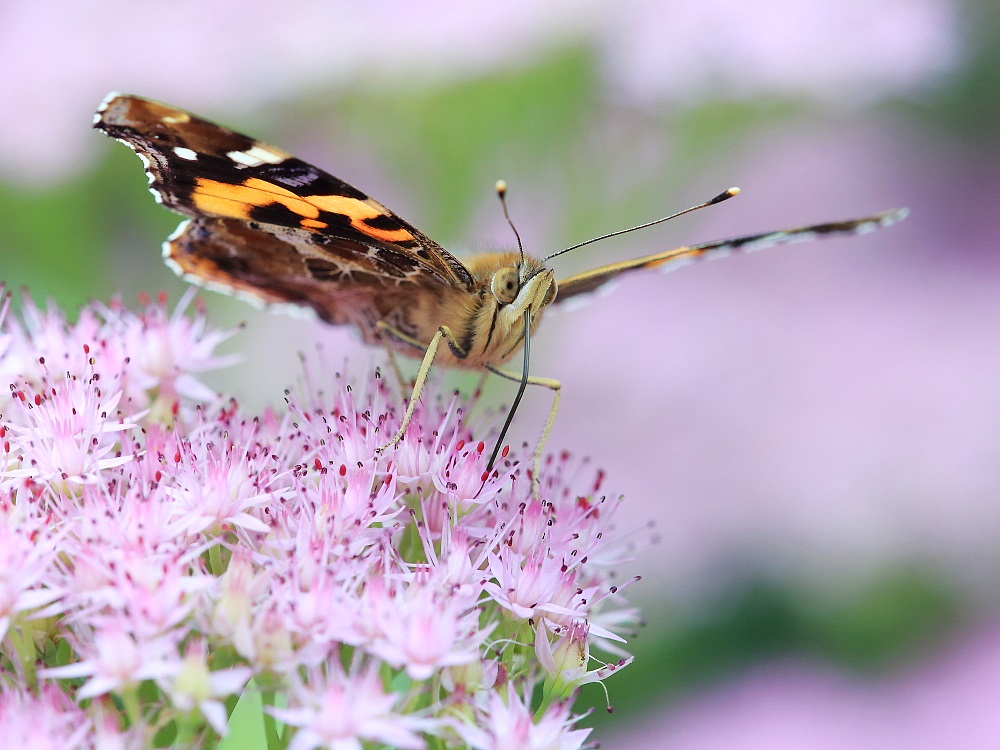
(267, 226)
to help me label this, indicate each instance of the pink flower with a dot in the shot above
(566, 664)
(67, 432)
(340, 711)
(24, 585)
(220, 479)
(116, 660)
(238, 592)
(507, 722)
(530, 585)
(49, 721)
(424, 626)
(166, 353)
(193, 685)
(175, 560)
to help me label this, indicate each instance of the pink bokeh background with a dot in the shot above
(947, 701)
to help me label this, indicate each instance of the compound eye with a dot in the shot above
(505, 285)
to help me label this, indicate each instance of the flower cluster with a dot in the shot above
(162, 554)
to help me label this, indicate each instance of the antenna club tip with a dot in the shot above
(501, 187)
(731, 193)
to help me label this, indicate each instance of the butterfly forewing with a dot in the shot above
(201, 169)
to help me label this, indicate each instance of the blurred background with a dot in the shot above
(808, 438)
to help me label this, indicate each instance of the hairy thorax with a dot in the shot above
(486, 328)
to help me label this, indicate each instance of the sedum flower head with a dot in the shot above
(165, 552)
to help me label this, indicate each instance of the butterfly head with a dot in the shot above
(509, 287)
(523, 288)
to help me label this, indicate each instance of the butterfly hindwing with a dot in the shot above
(337, 282)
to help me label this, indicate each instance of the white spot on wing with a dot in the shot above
(255, 156)
(244, 159)
(186, 153)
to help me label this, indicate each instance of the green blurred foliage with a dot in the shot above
(875, 630)
(967, 106)
(471, 133)
(61, 243)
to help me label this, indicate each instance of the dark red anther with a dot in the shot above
(505, 451)
(86, 348)
(177, 457)
(317, 464)
(343, 470)
(38, 399)
(459, 445)
(485, 476)
(481, 447)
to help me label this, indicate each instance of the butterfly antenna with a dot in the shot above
(520, 392)
(501, 188)
(731, 193)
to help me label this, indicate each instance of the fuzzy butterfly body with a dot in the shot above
(272, 228)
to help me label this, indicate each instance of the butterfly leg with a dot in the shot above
(556, 387)
(425, 366)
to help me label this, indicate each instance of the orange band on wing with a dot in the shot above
(313, 224)
(358, 211)
(237, 201)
